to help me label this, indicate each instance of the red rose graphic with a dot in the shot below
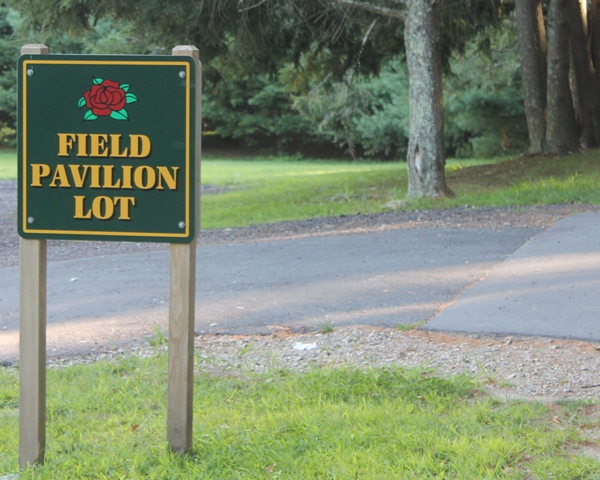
(105, 98)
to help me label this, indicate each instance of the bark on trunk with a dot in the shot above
(561, 129)
(533, 50)
(594, 34)
(426, 141)
(586, 95)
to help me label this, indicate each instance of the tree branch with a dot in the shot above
(240, 9)
(377, 9)
(362, 47)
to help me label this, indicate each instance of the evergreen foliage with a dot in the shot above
(288, 72)
(371, 112)
(9, 54)
(252, 108)
(484, 97)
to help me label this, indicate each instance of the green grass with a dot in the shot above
(327, 327)
(8, 165)
(270, 189)
(273, 190)
(407, 327)
(107, 421)
(540, 180)
(266, 191)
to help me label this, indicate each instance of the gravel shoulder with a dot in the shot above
(543, 369)
(511, 367)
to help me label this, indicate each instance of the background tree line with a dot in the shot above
(286, 74)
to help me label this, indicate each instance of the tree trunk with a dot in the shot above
(426, 141)
(533, 50)
(586, 95)
(561, 129)
(594, 34)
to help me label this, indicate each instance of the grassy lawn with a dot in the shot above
(8, 165)
(274, 190)
(269, 190)
(266, 191)
(527, 181)
(107, 420)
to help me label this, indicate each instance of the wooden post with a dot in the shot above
(182, 310)
(32, 361)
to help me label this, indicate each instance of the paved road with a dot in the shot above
(398, 276)
(549, 287)
(386, 278)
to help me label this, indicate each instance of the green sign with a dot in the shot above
(107, 147)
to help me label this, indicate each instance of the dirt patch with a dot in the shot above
(509, 172)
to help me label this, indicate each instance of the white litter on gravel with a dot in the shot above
(304, 346)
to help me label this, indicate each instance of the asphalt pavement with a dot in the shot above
(513, 281)
(548, 287)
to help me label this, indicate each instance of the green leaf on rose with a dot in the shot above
(89, 116)
(120, 115)
(97, 81)
(81, 102)
(125, 87)
(131, 98)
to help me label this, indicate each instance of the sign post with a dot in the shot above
(182, 315)
(109, 149)
(32, 331)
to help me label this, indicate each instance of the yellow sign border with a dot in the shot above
(188, 221)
